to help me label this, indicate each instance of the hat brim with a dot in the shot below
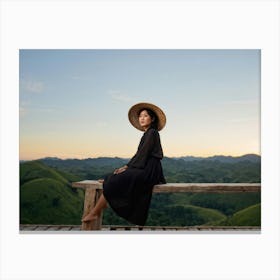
(134, 110)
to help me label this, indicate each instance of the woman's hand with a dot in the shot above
(121, 169)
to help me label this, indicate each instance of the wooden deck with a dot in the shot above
(73, 228)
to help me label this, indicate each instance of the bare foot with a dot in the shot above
(90, 217)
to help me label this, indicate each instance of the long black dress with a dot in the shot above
(129, 193)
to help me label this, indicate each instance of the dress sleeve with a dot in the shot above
(144, 150)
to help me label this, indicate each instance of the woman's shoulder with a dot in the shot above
(152, 131)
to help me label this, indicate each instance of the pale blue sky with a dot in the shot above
(74, 103)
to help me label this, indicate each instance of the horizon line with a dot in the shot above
(215, 155)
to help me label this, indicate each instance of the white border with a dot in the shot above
(143, 24)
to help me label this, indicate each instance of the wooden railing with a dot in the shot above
(93, 190)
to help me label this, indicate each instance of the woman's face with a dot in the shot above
(145, 119)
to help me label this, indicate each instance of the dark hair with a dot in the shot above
(153, 116)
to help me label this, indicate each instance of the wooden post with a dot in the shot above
(89, 204)
(91, 197)
(93, 190)
(98, 224)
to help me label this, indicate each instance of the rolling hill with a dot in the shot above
(46, 196)
(248, 216)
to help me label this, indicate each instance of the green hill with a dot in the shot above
(227, 203)
(36, 169)
(187, 215)
(250, 216)
(46, 197)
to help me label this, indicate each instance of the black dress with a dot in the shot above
(129, 193)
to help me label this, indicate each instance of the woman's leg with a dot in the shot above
(96, 211)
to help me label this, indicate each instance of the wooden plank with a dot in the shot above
(39, 228)
(42, 227)
(87, 184)
(28, 227)
(188, 228)
(207, 187)
(148, 228)
(76, 228)
(185, 187)
(53, 228)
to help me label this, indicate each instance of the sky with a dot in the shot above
(74, 103)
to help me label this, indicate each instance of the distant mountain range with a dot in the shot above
(112, 160)
(229, 159)
(246, 168)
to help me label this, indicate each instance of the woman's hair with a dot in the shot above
(153, 116)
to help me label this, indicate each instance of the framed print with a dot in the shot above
(70, 73)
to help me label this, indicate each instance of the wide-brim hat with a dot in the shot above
(134, 111)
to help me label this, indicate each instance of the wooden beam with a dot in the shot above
(208, 187)
(185, 187)
(88, 184)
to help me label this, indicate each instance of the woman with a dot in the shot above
(129, 189)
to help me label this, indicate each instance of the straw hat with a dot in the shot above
(134, 110)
